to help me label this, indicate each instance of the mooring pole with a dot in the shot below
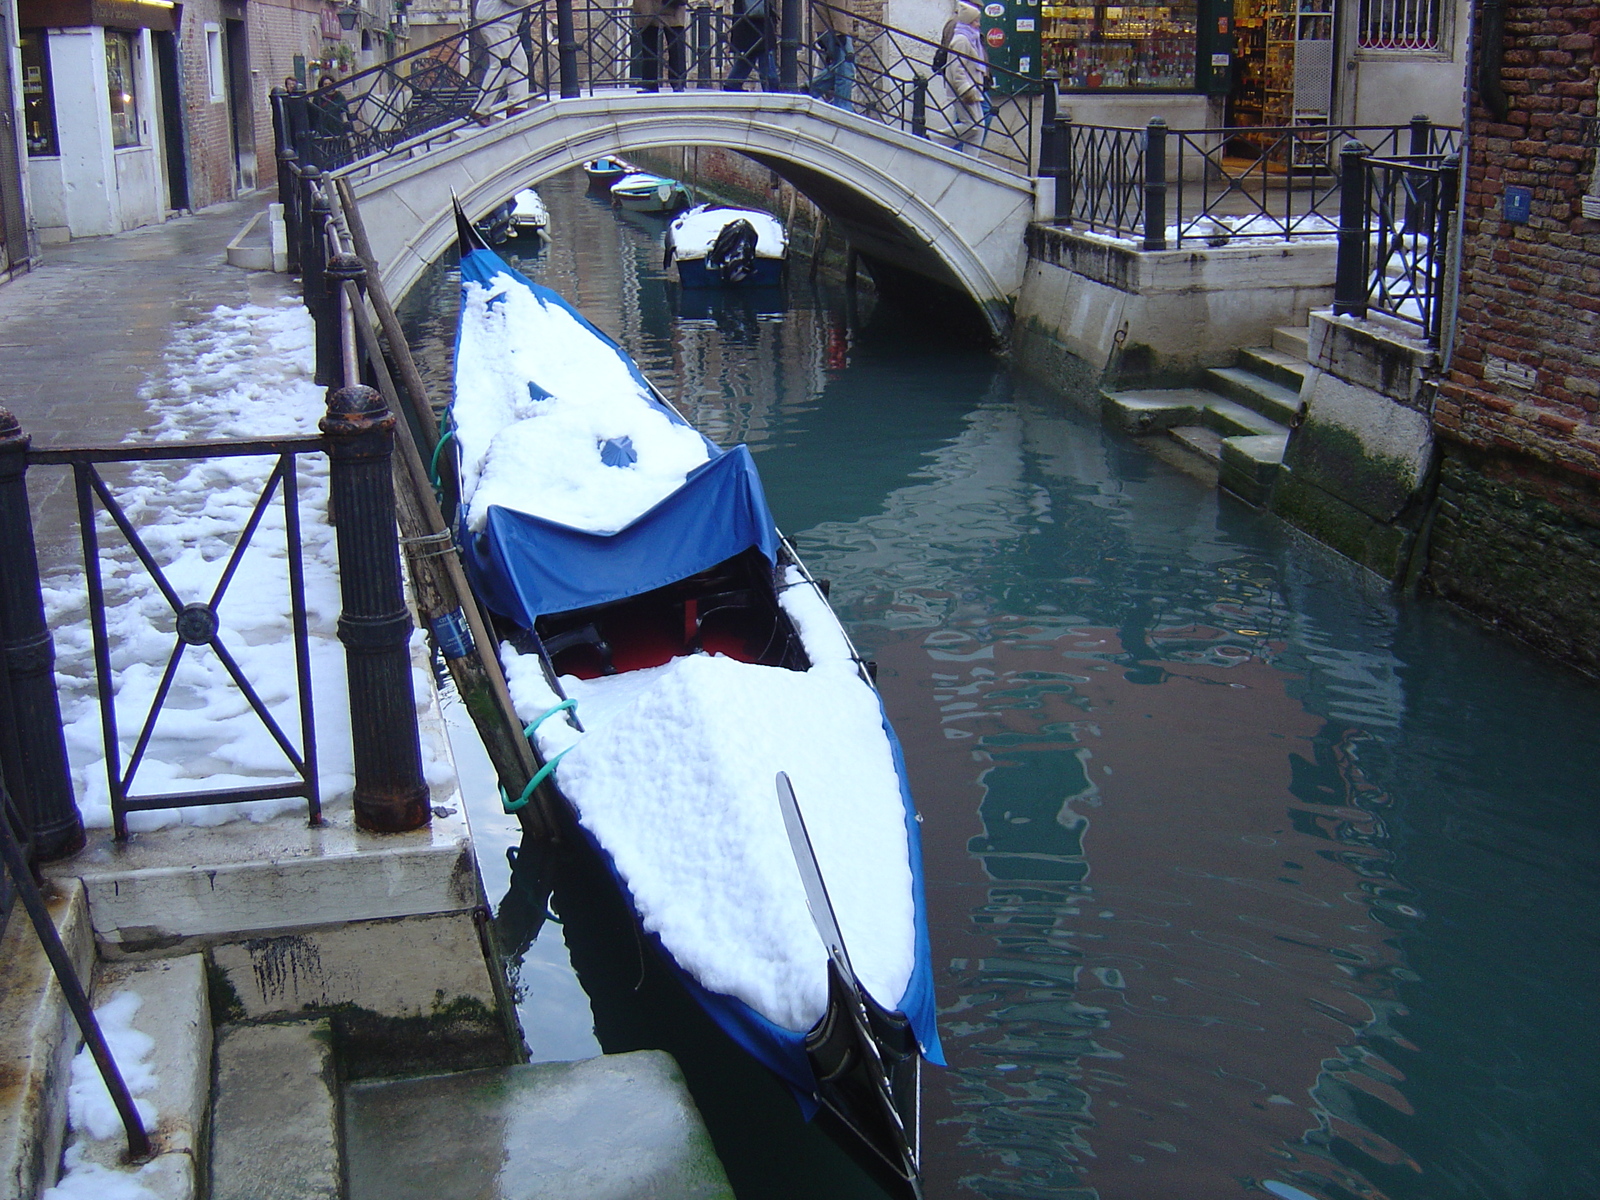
(1350, 270)
(390, 795)
(39, 773)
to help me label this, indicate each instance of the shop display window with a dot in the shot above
(38, 97)
(1143, 47)
(121, 84)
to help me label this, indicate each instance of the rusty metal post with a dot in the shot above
(321, 296)
(36, 770)
(288, 175)
(375, 627)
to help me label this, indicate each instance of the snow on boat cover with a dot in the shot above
(579, 486)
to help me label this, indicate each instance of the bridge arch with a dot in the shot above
(899, 199)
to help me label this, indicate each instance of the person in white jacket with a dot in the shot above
(966, 72)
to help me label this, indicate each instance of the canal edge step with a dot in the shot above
(1238, 422)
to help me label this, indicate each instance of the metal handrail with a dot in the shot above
(1281, 182)
(503, 65)
(14, 865)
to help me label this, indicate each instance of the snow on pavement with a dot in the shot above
(242, 372)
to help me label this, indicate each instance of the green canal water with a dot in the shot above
(1245, 877)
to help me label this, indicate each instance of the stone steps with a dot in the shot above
(617, 1126)
(1239, 422)
(275, 1114)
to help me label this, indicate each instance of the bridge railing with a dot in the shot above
(574, 47)
(1170, 187)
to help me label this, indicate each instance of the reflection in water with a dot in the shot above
(1242, 876)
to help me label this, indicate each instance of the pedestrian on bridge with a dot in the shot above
(836, 64)
(966, 72)
(663, 28)
(750, 39)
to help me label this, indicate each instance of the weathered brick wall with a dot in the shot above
(206, 129)
(1518, 412)
(278, 30)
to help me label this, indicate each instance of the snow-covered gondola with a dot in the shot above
(672, 656)
(529, 216)
(718, 246)
(602, 172)
(644, 192)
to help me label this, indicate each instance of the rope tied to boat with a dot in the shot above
(435, 544)
(543, 773)
(433, 464)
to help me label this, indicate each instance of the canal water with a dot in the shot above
(1245, 876)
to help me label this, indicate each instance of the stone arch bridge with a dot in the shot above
(899, 199)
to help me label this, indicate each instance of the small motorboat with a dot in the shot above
(497, 226)
(699, 710)
(647, 193)
(529, 216)
(718, 246)
(606, 170)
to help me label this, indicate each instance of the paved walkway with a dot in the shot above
(82, 333)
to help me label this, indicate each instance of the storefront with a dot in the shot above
(1119, 63)
(93, 114)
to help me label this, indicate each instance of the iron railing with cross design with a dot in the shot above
(569, 48)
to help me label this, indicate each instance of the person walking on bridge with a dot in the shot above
(663, 31)
(966, 72)
(750, 39)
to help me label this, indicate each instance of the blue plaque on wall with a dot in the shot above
(1516, 205)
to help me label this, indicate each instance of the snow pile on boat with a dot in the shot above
(674, 776)
(538, 398)
(694, 233)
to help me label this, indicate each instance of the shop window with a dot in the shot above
(122, 85)
(38, 96)
(1399, 25)
(1142, 47)
(215, 76)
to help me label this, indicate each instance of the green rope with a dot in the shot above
(433, 466)
(539, 777)
(543, 773)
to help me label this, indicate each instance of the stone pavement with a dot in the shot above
(84, 331)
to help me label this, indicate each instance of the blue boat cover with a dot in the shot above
(524, 567)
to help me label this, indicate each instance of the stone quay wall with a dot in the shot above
(1516, 535)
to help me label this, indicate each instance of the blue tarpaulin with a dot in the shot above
(524, 566)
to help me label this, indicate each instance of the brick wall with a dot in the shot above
(278, 30)
(206, 128)
(1518, 410)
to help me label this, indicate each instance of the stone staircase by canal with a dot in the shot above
(263, 1110)
(1237, 424)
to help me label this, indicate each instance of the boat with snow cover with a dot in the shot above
(647, 193)
(672, 656)
(602, 172)
(715, 245)
(529, 216)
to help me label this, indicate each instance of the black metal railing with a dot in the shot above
(1167, 188)
(1394, 237)
(196, 622)
(357, 434)
(569, 48)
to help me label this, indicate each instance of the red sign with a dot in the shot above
(995, 37)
